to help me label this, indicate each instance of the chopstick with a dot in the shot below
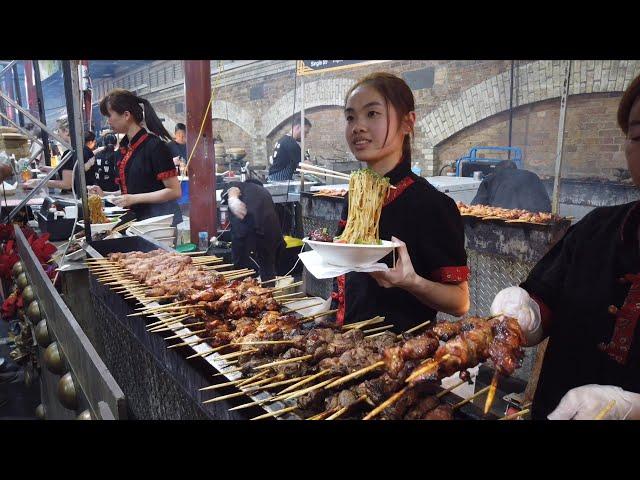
(307, 168)
(321, 173)
(315, 167)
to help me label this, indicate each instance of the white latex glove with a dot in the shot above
(586, 402)
(516, 302)
(237, 207)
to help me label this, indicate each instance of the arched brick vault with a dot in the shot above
(224, 110)
(534, 82)
(321, 93)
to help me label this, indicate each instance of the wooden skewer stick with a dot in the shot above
(467, 400)
(265, 387)
(226, 372)
(325, 414)
(186, 335)
(492, 392)
(173, 326)
(187, 344)
(304, 381)
(453, 387)
(226, 397)
(341, 412)
(284, 362)
(275, 280)
(379, 329)
(417, 327)
(601, 414)
(356, 374)
(161, 307)
(208, 352)
(515, 415)
(371, 321)
(374, 335)
(166, 321)
(389, 401)
(238, 354)
(317, 315)
(183, 308)
(303, 308)
(428, 366)
(253, 378)
(291, 285)
(287, 295)
(239, 382)
(277, 413)
(304, 391)
(264, 342)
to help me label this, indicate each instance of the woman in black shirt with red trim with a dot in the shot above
(430, 273)
(584, 295)
(146, 174)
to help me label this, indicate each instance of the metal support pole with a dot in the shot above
(21, 130)
(202, 169)
(16, 87)
(40, 184)
(74, 113)
(7, 67)
(511, 108)
(301, 132)
(41, 112)
(34, 119)
(555, 203)
(30, 87)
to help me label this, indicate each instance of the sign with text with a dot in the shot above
(309, 67)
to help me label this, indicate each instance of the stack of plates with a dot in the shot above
(158, 228)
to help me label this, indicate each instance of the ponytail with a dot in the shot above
(153, 122)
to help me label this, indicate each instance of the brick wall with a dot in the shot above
(464, 105)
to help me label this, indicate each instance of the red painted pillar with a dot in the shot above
(202, 169)
(32, 95)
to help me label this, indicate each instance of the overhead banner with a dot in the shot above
(309, 67)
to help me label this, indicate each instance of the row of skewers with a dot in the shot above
(509, 215)
(326, 372)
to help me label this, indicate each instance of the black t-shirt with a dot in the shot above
(178, 149)
(286, 157)
(513, 188)
(143, 173)
(261, 217)
(106, 171)
(430, 224)
(577, 280)
(88, 175)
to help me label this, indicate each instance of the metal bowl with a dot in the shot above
(33, 311)
(28, 295)
(67, 392)
(42, 334)
(22, 281)
(85, 415)
(17, 269)
(53, 359)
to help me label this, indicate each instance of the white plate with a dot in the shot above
(100, 227)
(161, 220)
(351, 254)
(167, 242)
(159, 232)
(115, 210)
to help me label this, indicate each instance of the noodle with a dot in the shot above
(96, 213)
(367, 193)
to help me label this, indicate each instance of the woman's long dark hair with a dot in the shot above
(120, 101)
(395, 91)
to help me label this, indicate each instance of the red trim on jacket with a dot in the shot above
(342, 223)
(450, 274)
(626, 319)
(167, 174)
(545, 312)
(340, 297)
(401, 186)
(123, 163)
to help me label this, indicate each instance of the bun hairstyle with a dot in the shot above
(395, 91)
(120, 101)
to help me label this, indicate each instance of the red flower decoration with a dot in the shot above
(9, 306)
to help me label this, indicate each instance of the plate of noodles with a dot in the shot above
(99, 221)
(360, 243)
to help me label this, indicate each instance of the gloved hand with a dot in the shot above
(99, 149)
(516, 302)
(237, 207)
(586, 402)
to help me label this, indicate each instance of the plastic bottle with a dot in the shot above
(416, 168)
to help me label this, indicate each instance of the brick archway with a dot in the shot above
(535, 82)
(223, 110)
(321, 93)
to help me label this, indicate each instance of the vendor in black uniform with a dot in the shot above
(64, 174)
(147, 177)
(286, 154)
(255, 230)
(431, 273)
(511, 187)
(106, 172)
(584, 295)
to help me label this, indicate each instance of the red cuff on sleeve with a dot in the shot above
(545, 312)
(342, 223)
(167, 174)
(450, 274)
